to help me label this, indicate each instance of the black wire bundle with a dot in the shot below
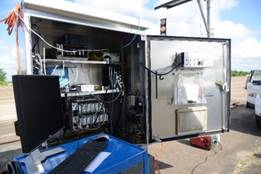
(173, 67)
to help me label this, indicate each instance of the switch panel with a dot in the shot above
(187, 60)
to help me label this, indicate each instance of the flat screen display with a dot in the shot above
(39, 109)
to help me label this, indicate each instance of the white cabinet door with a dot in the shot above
(189, 100)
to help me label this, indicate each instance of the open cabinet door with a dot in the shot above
(194, 98)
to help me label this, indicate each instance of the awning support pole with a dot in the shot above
(206, 21)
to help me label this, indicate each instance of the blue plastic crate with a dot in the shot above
(124, 158)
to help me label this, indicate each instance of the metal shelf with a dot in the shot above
(76, 60)
(77, 94)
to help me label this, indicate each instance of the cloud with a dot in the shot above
(130, 7)
(248, 48)
(230, 29)
(183, 20)
(244, 43)
(240, 64)
(186, 20)
(8, 61)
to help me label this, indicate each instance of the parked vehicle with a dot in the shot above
(258, 110)
(253, 87)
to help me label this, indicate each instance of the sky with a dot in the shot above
(235, 19)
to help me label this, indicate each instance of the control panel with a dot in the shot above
(187, 60)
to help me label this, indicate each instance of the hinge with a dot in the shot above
(143, 37)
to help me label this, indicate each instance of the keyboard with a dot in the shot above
(81, 158)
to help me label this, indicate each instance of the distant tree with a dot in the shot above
(2, 77)
(239, 73)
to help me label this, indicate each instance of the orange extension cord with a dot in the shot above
(13, 22)
(157, 157)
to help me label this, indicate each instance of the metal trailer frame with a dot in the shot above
(73, 13)
(76, 14)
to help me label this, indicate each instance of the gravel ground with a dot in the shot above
(240, 154)
(241, 147)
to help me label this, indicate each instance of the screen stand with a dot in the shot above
(33, 161)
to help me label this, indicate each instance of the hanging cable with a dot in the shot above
(29, 29)
(207, 157)
(54, 70)
(157, 158)
(132, 40)
(44, 62)
(39, 61)
(174, 66)
(134, 37)
(107, 101)
(98, 113)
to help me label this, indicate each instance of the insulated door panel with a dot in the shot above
(213, 88)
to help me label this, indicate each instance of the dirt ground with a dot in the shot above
(240, 153)
(7, 105)
(7, 114)
(238, 92)
(241, 147)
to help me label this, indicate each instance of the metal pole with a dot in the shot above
(208, 18)
(203, 17)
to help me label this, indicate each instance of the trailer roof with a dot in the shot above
(84, 15)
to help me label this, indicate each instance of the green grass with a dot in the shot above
(4, 83)
(2, 77)
(239, 73)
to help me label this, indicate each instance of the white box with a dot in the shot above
(87, 88)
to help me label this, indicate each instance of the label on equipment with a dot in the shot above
(87, 88)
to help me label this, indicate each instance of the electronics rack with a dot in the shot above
(87, 107)
(95, 67)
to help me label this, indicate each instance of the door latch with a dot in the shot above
(222, 85)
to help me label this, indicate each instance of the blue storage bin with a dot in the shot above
(125, 158)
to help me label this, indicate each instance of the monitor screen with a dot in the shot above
(38, 107)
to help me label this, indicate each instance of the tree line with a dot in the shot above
(2, 77)
(239, 73)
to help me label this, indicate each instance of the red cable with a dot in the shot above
(157, 155)
(12, 20)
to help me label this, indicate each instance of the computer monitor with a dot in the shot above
(38, 107)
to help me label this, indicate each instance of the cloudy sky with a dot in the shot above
(235, 19)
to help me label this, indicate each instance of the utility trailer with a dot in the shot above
(114, 78)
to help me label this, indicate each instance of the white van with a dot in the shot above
(258, 110)
(253, 87)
